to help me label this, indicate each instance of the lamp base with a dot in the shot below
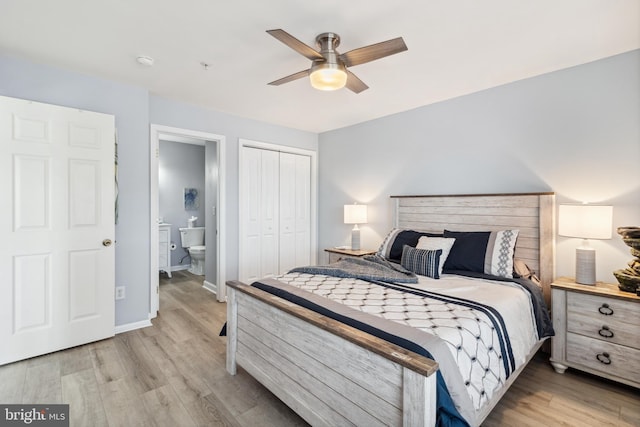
(586, 266)
(355, 239)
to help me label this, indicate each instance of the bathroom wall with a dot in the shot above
(180, 166)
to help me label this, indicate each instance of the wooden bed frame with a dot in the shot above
(332, 374)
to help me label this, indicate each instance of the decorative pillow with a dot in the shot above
(489, 252)
(421, 261)
(435, 243)
(391, 247)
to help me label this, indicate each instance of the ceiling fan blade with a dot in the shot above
(354, 84)
(295, 44)
(292, 77)
(373, 52)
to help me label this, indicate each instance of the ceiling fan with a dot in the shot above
(329, 68)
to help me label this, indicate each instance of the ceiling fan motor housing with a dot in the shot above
(328, 42)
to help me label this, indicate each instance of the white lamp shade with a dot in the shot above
(585, 221)
(355, 214)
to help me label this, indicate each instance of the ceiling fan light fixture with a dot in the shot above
(329, 68)
(326, 76)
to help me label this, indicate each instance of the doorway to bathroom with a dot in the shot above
(187, 182)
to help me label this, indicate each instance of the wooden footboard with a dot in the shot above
(327, 372)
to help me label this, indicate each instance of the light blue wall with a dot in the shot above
(134, 110)
(181, 166)
(575, 132)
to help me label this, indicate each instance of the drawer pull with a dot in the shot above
(604, 358)
(605, 332)
(606, 310)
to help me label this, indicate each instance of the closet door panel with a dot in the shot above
(251, 214)
(269, 196)
(302, 251)
(287, 211)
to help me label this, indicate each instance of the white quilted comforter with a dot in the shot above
(485, 347)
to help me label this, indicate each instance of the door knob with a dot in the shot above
(106, 242)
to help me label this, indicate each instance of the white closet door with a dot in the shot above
(250, 212)
(259, 214)
(295, 202)
(56, 226)
(275, 212)
(269, 213)
(302, 210)
(287, 212)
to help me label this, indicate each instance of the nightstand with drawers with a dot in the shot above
(336, 254)
(597, 330)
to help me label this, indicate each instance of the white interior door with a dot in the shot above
(56, 228)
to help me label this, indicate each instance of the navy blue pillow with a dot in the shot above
(468, 251)
(402, 238)
(489, 252)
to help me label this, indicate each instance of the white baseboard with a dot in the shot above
(132, 326)
(211, 287)
(179, 267)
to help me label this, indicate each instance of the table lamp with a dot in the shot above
(586, 222)
(355, 214)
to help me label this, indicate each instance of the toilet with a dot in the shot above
(193, 241)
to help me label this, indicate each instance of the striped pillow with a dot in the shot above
(421, 261)
(434, 243)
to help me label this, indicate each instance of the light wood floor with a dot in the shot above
(173, 374)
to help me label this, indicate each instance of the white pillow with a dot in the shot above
(435, 243)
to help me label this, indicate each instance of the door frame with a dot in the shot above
(313, 195)
(154, 153)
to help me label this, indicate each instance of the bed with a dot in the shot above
(335, 364)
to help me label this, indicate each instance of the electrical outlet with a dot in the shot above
(119, 292)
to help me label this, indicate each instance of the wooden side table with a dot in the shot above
(597, 330)
(336, 254)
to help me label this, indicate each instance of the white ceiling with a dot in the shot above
(456, 47)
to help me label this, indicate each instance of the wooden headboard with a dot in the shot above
(531, 213)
